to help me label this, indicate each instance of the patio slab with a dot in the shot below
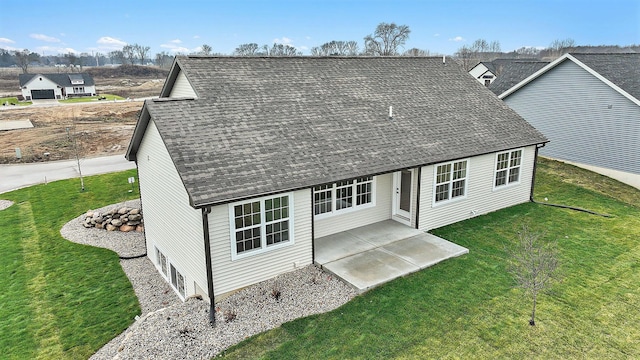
(372, 255)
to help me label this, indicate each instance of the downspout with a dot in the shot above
(207, 256)
(313, 231)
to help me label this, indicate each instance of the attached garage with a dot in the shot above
(42, 94)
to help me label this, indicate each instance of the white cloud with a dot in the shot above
(457, 39)
(54, 50)
(284, 41)
(174, 48)
(6, 41)
(176, 41)
(436, 35)
(109, 41)
(43, 37)
(196, 36)
(308, 37)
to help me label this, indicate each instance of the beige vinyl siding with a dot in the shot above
(171, 223)
(587, 121)
(481, 197)
(231, 275)
(182, 87)
(353, 219)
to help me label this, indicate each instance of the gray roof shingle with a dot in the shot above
(265, 125)
(621, 69)
(512, 72)
(61, 79)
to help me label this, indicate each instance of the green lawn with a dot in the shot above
(468, 308)
(107, 97)
(13, 100)
(60, 299)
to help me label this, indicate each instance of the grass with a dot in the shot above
(468, 307)
(60, 300)
(108, 97)
(14, 101)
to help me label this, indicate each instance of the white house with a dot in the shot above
(588, 105)
(245, 162)
(56, 86)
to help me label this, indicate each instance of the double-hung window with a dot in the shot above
(450, 181)
(507, 168)
(260, 224)
(343, 196)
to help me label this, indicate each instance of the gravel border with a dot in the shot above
(5, 204)
(170, 328)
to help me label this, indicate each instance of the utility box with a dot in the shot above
(18, 153)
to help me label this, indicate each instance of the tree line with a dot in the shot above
(388, 39)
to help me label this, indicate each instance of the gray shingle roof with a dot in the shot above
(264, 125)
(61, 79)
(621, 69)
(511, 73)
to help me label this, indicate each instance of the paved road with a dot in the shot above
(14, 177)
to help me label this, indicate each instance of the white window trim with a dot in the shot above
(354, 195)
(263, 238)
(167, 276)
(495, 170)
(435, 203)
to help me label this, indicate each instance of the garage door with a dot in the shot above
(42, 94)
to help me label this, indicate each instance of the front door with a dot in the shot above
(402, 196)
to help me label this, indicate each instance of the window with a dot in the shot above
(171, 273)
(508, 168)
(343, 196)
(450, 181)
(258, 225)
(177, 280)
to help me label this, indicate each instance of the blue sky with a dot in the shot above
(52, 27)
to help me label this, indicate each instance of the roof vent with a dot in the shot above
(390, 112)
(444, 59)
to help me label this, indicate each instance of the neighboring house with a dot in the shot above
(504, 73)
(588, 105)
(484, 72)
(56, 86)
(244, 162)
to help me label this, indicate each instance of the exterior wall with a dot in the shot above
(182, 88)
(481, 197)
(381, 211)
(230, 275)
(478, 70)
(586, 120)
(88, 90)
(171, 223)
(44, 84)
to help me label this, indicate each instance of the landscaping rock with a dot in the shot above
(116, 222)
(114, 219)
(110, 227)
(127, 228)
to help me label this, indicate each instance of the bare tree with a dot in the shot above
(336, 48)
(163, 59)
(283, 50)
(386, 40)
(533, 264)
(117, 55)
(251, 49)
(206, 49)
(416, 52)
(141, 52)
(24, 58)
(560, 47)
(129, 53)
(465, 57)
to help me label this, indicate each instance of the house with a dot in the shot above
(504, 73)
(244, 162)
(588, 105)
(56, 86)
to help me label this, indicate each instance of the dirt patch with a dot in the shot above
(5, 204)
(100, 128)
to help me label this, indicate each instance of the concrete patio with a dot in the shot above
(372, 255)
